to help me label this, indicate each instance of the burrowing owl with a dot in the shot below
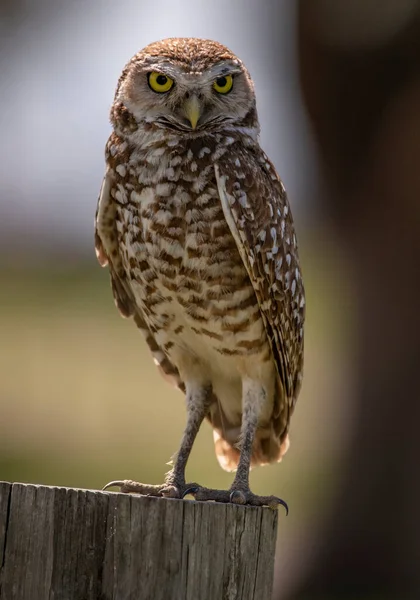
(196, 229)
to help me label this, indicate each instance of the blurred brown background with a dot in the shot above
(338, 89)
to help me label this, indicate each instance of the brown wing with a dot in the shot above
(107, 252)
(256, 208)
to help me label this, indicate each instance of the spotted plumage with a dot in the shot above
(195, 227)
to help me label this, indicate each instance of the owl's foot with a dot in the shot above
(166, 490)
(236, 496)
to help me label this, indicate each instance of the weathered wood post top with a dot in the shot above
(72, 544)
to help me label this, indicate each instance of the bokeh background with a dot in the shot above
(338, 90)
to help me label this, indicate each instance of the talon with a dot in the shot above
(283, 503)
(274, 502)
(119, 484)
(191, 490)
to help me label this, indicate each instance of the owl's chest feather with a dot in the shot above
(181, 259)
(178, 244)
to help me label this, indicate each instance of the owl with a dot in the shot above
(194, 225)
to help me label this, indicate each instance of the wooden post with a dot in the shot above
(73, 544)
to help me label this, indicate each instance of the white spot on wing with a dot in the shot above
(120, 194)
(243, 200)
(283, 226)
(273, 235)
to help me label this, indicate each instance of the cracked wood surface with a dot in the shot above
(72, 544)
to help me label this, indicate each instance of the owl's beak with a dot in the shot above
(192, 110)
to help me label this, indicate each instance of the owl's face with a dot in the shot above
(189, 86)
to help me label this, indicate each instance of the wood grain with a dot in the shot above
(73, 544)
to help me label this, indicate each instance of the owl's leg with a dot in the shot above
(198, 399)
(254, 398)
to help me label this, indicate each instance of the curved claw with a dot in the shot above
(191, 490)
(119, 484)
(273, 503)
(283, 503)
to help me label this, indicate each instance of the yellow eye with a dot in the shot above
(159, 82)
(224, 84)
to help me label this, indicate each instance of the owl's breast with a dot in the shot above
(186, 272)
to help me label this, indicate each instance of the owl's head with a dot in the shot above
(186, 85)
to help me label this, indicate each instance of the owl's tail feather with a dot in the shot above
(269, 445)
(267, 448)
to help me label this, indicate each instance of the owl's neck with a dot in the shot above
(146, 139)
(149, 135)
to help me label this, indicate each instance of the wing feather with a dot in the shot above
(108, 254)
(257, 211)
